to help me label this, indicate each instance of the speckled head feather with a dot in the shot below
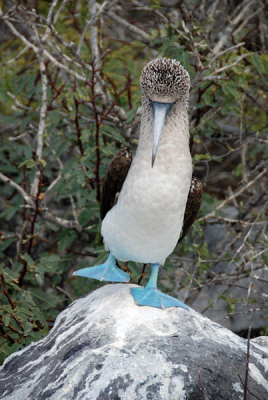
(165, 80)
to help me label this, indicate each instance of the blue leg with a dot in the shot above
(151, 296)
(104, 272)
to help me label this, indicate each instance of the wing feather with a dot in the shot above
(114, 178)
(192, 206)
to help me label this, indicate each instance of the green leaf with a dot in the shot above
(43, 162)
(21, 84)
(6, 320)
(29, 163)
(65, 238)
(199, 157)
(42, 296)
(26, 257)
(258, 63)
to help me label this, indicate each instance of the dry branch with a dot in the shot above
(27, 198)
(220, 206)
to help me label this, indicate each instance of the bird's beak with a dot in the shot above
(160, 113)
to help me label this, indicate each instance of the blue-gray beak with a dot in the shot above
(160, 113)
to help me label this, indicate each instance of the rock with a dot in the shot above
(261, 340)
(104, 346)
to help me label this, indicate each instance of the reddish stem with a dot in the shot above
(24, 269)
(5, 291)
(78, 128)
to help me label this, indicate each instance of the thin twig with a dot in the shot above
(78, 128)
(49, 20)
(46, 53)
(236, 61)
(142, 274)
(18, 104)
(56, 16)
(226, 35)
(89, 22)
(64, 223)
(5, 291)
(33, 221)
(132, 28)
(74, 210)
(17, 56)
(48, 195)
(60, 289)
(220, 206)
(202, 386)
(223, 52)
(247, 235)
(25, 195)
(247, 366)
(13, 306)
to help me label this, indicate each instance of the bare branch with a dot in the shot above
(74, 209)
(46, 53)
(26, 197)
(49, 20)
(224, 51)
(225, 35)
(47, 195)
(228, 66)
(18, 104)
(51, 186)
(247, 236)
(17, 56)
(92, 7)
(100, 86)
(247, 366)
(138, 32)
(14, 138)
(196, 55)
(42, 121)
(245, 21)
(63, 223)
(59, 11)
(220, 206)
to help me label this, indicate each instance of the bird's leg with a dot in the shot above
(107, 271)
(151, 296)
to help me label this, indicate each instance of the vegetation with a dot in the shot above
(70, 97)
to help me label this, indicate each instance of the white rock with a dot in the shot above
(104, 346)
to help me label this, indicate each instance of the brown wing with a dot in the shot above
(113, 181)
(192, 206)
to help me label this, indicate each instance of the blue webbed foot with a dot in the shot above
(154, 298)
(107, 271)
(151, 296)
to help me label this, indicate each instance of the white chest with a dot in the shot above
(146, 222)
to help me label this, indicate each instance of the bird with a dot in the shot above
(148, 203)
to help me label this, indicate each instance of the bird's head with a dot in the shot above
(165, 82)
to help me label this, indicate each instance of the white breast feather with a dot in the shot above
(145, 224)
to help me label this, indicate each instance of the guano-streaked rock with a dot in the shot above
(104, 346)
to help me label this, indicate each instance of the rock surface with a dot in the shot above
(103, 346)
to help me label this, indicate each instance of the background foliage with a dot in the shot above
(70, 97)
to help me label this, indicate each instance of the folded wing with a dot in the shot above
(192, 206)
(114, 179)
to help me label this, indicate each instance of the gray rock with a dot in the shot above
(261, 340)
(103, 346)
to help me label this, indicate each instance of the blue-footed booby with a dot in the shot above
(149, 204)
